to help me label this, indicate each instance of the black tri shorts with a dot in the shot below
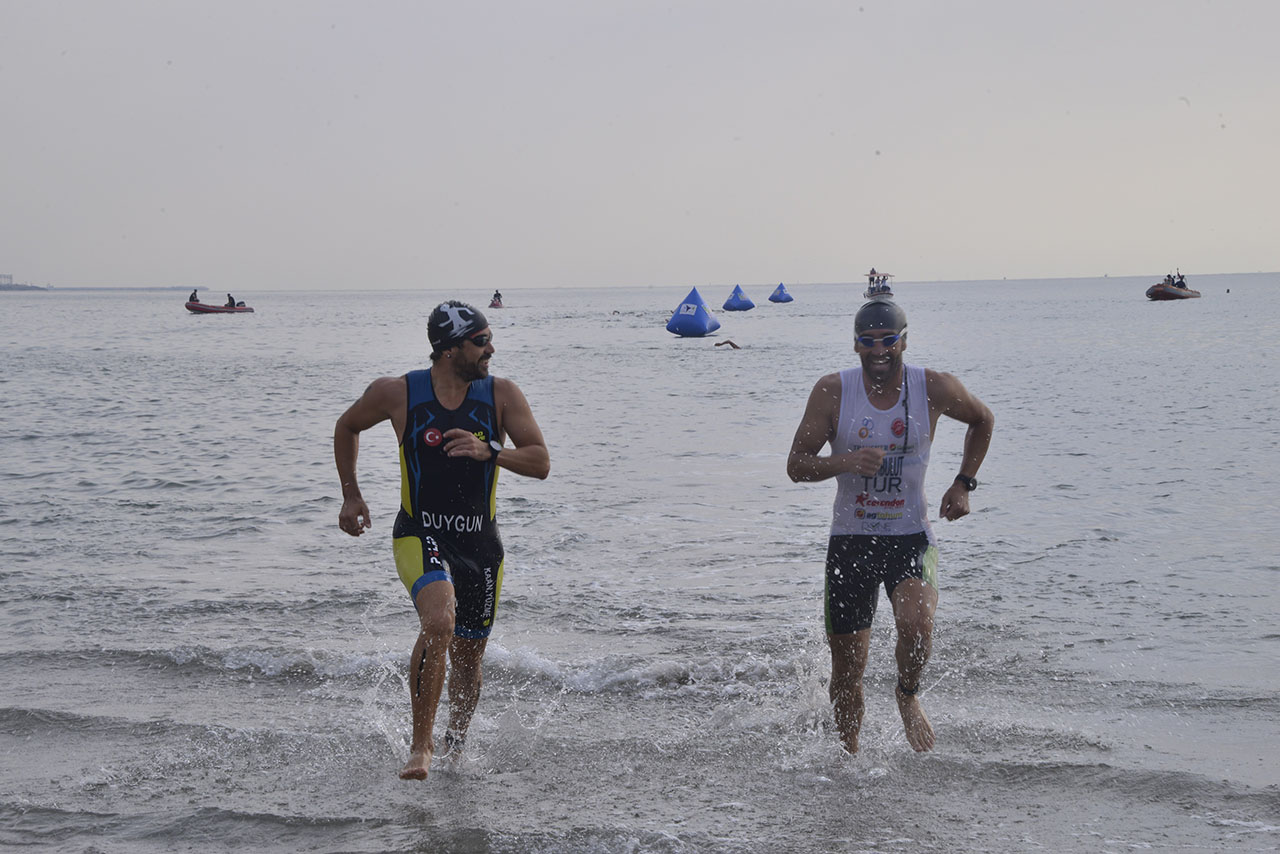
(858, 564)
(477, 584)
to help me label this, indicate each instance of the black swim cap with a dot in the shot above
(451, 322)
(880, 314)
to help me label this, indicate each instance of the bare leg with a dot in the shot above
(914, 602)
(848, 661)
(436, 607)
(465, 676)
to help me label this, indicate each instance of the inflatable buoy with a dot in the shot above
(738, 300)
(692, 318)
(780, 294)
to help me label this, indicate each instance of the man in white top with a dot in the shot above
(879, 420)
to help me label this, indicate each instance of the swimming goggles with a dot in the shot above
(888, 340)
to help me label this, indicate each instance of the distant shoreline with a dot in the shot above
(853, 283)
(178, 288)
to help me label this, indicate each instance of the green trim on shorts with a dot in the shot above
(931, 567)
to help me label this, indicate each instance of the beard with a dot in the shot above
(881, 369)
(472, 371)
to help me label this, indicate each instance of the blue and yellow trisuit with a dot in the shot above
(447, 529)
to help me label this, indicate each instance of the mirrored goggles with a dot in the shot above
(889, 340)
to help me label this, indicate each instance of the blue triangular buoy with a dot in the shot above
(692, 318)
(780, 294)
(738, 300)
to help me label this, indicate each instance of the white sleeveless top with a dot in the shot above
(893, 501)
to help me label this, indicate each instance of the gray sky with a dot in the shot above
(316, 144)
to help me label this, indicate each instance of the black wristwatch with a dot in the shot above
(496, 447)
(969, 483)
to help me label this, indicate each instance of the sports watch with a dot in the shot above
(496, 447)
(969, 483)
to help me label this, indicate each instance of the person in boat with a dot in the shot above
(445, 539)
(497, 296)
(193, 297)
(879, 420)
(231, 301)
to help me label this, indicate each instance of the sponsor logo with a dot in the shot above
(432, 551)
(865, 500)
(688, 308)
(459, 523)
(432, 436)
(863, 432)
(490, 586)
(881, 515)
(899, 427)
(888, 478)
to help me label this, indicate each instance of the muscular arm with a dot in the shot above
(948, 396)
(529, 457)
(816, 429)
(385, 398)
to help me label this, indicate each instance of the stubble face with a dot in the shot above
(882, 364)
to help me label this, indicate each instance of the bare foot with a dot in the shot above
(919, 730)
(417, 766)
(850, 743)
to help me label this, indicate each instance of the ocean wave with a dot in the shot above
(623, 675)
(1038, 740)
(316, 664)
(41, 722)
(1139, 784)
(219, 829)
(151, 605)
(186, 745)
(23, 722)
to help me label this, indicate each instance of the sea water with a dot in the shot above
(194, 657)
